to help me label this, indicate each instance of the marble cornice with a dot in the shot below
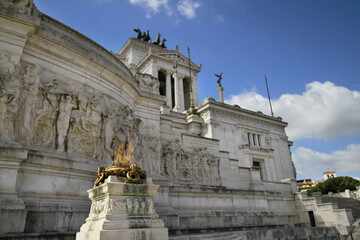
(212, 105)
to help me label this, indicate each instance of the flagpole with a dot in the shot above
(192, 107)
(267, 88)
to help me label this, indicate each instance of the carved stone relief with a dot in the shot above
(247, 120)
(149, 154)
(22, 6)
(133, 206)
(49, 114)
(148, 83)
(198, 167)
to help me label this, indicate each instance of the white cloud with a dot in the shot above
(219, 18)
(153, 6)
(312, 164)
(187, 8)
(103, 1)
(323, 111)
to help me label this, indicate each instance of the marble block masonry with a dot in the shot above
(66, 103)
(122, 210)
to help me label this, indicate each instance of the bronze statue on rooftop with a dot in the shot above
(219, 78)
(157, 40)
(139, 36)
(162, 43)
(145, 36)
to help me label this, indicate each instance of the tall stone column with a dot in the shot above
(195, 90)
(221, 97)
(168, 90)
(179, 93)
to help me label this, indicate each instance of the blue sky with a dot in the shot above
(309, 50)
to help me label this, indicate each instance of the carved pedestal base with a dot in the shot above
(123, 211)
(12, 208)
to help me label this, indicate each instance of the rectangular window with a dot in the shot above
(259, 164)
(256, 164)
(259, 142)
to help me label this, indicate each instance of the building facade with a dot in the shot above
(67, 103)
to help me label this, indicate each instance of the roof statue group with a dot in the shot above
(146, 37)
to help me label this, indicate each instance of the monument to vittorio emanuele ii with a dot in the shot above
(66, 104)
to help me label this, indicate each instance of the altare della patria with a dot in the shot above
(103, 145)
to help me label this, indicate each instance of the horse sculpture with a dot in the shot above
(157, 40)
(162, 43)
(146, 36)
(138, 33)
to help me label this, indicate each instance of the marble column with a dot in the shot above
(195, 90)
(176, 86)
(168, 90)
(179, 92)
(221, 96)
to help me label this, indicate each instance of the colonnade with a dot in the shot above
(179, 97)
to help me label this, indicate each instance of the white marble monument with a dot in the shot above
(66, 103)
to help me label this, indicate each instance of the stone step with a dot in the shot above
(200, 236)
(317, 233)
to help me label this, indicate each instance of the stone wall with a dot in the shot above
(67, 103)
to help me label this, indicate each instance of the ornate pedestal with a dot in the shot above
(122, 210)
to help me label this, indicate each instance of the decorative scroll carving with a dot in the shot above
(198, 167)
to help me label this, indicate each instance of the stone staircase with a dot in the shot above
(316, 233)
(349, 203)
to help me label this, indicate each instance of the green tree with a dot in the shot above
(335, 185)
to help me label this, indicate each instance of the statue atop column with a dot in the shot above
(220, 88)
(219, 78)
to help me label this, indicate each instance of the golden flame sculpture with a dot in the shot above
(123, 165)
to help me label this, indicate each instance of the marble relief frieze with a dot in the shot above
(196, 167)
(48, 114)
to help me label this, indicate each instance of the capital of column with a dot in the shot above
(180, 75)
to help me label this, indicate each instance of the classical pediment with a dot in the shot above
(174, 55)
(150, 50)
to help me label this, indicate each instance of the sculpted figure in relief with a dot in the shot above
(199, 166)
(45, 117)
(10, 98)
(23, 6)
(6, 66)
(66, 105)
(93, 119)
(149, 148)
(30, 95)
(149, 83)
(86, 125)
(6, 123)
